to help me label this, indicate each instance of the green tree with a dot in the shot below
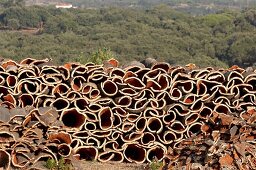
(27, 16)
(250, 16)
(13, 24)
(9, 3)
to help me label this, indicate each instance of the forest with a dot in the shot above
(151, 3)
(222, 39)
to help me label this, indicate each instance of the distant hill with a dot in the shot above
(155, 2)
(195, 7)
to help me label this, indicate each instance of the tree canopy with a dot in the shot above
(220, 40)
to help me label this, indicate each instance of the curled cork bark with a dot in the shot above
(184, 116)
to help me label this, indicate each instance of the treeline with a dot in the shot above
(221, 39)
(194, 7)
(150, 3)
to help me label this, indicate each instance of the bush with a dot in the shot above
(13, 24)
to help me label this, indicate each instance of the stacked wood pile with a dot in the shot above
(184, 116)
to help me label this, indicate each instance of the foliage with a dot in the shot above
(14, 24)
(97, 57)
(60, 165)
(101, 55)
(156, 165)
(51, 164)
(218, 40)
(194, 4)
(9, 3)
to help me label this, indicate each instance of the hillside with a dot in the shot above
(147, 3)
(221, 39)
(195, 7)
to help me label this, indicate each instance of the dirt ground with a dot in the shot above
(94, 165)
(89, 165)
